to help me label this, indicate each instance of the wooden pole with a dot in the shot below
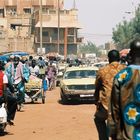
(40, 16)
(58, 31)
(65, 42)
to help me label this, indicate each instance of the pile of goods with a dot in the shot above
(34, 83)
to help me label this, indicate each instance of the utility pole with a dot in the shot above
(40, 17)
(58, 31)
(74, 4)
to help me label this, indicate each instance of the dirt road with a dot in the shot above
(53, 121)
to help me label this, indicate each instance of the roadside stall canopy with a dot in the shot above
(6, 55)
(52, 56)
(3, 58)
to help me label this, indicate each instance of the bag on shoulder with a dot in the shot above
(101, 112)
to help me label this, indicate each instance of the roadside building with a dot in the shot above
(68, 32)
(20, 23)
(110, 46)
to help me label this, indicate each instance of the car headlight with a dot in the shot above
(65, 87)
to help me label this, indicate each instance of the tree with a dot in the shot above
(125, 32)
(89, 47)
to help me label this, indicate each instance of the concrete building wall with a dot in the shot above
(11, 2)
(68, 32)
(3, 45)
(110, 46)
(19, 14)
(49, 48)
(2, 3)
(20, 4)
(21, 44)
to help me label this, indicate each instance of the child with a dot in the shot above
(45, 84)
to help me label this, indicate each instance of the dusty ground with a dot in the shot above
(53, 121)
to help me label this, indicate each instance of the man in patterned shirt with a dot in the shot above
(103, 86)
(125, 98)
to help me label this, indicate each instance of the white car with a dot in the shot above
(61, 69)
(78, 83)
(100, 64)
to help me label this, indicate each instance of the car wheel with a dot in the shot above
(43, 99)
(63, 98)
(57, 83)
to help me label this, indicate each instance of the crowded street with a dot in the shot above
(69, 70)
(53, 121)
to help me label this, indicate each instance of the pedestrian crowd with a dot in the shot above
(15, 73)
(117, 90)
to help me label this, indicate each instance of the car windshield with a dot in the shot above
(79, 74)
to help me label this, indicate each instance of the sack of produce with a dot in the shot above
(34, 83)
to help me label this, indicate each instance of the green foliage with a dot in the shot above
(125, 32)
(89, 47)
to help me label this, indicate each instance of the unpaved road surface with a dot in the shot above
(53, 121)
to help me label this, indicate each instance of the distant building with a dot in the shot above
(110, 46)
(19, 26)
(16, 7)
(68, 32)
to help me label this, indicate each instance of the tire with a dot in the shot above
(57, 83)
(63, 98)
(43, 100)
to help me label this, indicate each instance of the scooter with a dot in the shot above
(3, 118)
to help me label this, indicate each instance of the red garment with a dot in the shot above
(1, 83)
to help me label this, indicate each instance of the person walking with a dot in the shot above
(45, 85)
(34, 68)
(103, 86)
(42, 67)
(51, 74)
(6, 96)
(125, 98)
(17, 76)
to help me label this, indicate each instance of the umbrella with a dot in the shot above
(124, 52)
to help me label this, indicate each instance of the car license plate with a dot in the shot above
(86, 95)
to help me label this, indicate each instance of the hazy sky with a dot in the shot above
(98, 17)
